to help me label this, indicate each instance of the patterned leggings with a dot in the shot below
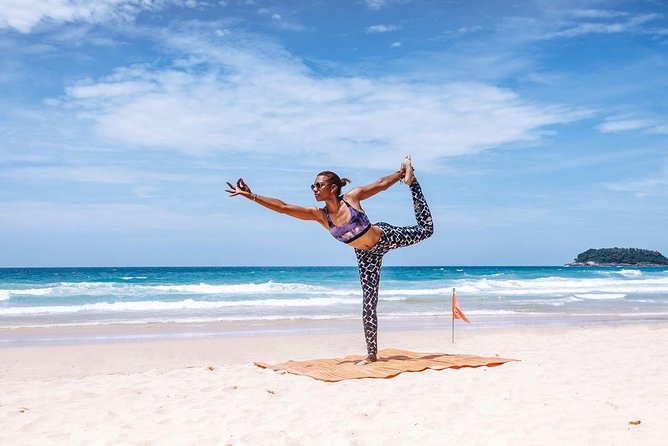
(369, 261)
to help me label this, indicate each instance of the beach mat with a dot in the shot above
(391, 362)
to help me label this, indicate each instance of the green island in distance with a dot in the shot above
(619, 257)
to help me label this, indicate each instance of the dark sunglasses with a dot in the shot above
(318, 186)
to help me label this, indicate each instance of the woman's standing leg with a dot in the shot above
(369, 262)
(369, 270)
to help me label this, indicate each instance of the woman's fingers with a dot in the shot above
(233, 191)
(238, 189)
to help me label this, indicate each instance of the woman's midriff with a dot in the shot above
(368, 240)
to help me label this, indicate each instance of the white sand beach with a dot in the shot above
(570, 386)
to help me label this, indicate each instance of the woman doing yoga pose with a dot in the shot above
(345, 219)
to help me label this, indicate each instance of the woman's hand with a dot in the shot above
(240, 189)
(276, 205)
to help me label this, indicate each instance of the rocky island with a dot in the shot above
(619, 257)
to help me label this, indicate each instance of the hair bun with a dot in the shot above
(334, 179)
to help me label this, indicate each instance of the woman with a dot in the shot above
(345, 219)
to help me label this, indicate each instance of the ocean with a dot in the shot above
(410, 297)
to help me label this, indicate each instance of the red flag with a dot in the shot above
(457, 312)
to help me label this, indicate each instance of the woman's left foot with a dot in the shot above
(368, 360)
(407, 167)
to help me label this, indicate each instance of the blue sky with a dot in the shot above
(538, 129)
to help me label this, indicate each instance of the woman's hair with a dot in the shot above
(334, 179)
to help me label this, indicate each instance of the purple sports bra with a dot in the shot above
(354, 229)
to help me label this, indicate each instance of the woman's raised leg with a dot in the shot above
(397, 237)
(422, 212)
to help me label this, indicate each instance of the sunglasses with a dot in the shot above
(318, 186)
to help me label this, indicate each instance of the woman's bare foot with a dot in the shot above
(368, 360)
(407, 167)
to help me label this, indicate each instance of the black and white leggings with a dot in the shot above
(370, 260)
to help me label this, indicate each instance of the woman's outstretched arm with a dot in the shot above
(363, 192)
(276, 205)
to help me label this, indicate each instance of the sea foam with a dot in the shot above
(630, 273)
(187, 304)
(600, 296)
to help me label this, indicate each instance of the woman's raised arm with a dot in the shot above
(363, 192)
(276, 205)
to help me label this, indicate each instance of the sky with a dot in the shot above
(538, 129)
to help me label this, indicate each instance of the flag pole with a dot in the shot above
(453, 315)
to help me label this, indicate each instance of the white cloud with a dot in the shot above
(625, 123)
(89, 174)
(109, 90)
(105, 219)
(632, 24)
(380, 4)
(661, 129)
(375, 4)
(280, 22)
(377, 29)
(253, 96)
(597, 13)
(468, 29)
(651, 185)
(23, 15)
(396, 45)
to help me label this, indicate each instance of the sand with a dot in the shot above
(575, 386)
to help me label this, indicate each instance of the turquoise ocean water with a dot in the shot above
(490, 296)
